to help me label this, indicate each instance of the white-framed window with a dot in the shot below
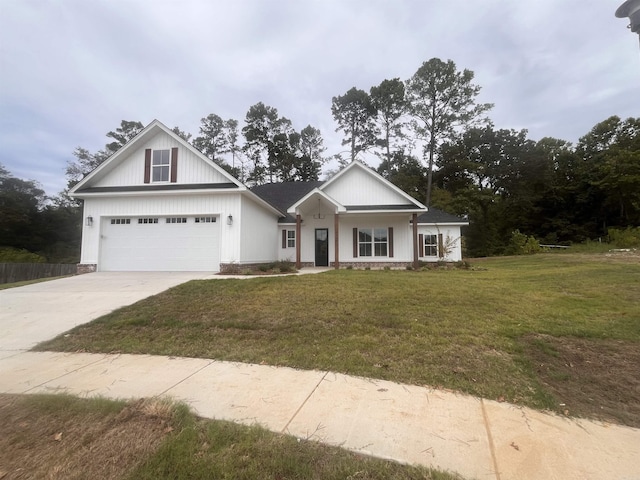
(373, 242)
(160, 165)
(205, 219)
(120, 221)
(147, 220)
(176, 220)
(430, 245)
(288, 238)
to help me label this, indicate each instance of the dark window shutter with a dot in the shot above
(174, 164)
(421, 245)
(355, 243)
(440, 246)
(390, 242)
(147, 165)
(284, 239)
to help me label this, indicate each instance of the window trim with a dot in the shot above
(161, 166)
(288, 238)
(429, 246)
(375, 246)
(149, 167)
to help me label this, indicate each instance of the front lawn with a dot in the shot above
(551, 331)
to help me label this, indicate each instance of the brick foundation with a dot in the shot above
(375, 265)
(86, 268)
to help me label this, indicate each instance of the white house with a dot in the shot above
(158, 204)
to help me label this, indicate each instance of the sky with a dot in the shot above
(71, 70)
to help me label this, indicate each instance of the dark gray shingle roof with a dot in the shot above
(438, 216)
(283, 195)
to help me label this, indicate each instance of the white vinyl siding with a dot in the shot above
(162, 207)
(191, 167)
(451, 244)
(259, 233)
(357, 187)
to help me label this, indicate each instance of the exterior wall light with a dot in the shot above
(89, 221)
(230, 220)
(631, 9)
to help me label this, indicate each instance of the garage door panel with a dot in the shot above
(161, 246)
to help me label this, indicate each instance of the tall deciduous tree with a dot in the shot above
(355, 114)
(441, 100)
(611, 155)
(388, 99)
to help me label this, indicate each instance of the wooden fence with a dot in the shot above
(20, 272)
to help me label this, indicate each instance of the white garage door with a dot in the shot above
(166, 243)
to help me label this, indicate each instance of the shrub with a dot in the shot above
(627, 238)
(14, 255)
(285, 266)
(521, 244)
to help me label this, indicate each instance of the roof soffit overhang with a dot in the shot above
(311, 197)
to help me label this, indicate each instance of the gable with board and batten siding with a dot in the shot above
(132, 201)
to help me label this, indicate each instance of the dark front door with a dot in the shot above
(322, 247)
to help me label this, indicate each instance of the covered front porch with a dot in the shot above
(328, 234)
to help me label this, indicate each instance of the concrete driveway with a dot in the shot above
(38, 312)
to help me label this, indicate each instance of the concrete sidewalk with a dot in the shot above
(474, 437)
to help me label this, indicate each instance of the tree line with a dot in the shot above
(432, 138)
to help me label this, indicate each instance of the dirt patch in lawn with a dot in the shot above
(589, 378)
(63, 440)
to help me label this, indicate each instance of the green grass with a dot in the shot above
(459, 329)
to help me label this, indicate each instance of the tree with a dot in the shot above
(354, 112)
(213, 140)
(20, 205)
(441, 101)
(85, 161)
(311, 149)
(496, 177)
(231, 128)
(611, 160)
(184, 135)
(262, 124)
(388, 99)
(125, 132)
(405, 172)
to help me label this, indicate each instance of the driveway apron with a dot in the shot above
(38, 312)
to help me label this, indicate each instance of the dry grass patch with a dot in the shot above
(61, 437)
(590, 378)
